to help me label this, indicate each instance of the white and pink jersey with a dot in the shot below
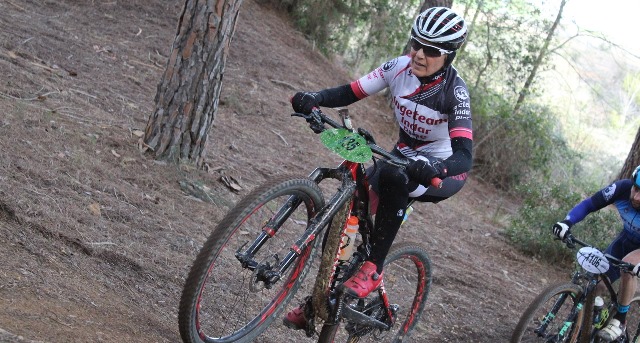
(429, 114)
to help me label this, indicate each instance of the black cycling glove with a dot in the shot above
(304, 102)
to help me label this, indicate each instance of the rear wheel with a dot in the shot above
(226, 300)
(547, 317)
(407, 281)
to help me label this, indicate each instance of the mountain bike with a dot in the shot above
(565, 312)
(258, 255)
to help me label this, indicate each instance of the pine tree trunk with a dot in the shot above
(633, 159)
(187, 96)
(435, 3)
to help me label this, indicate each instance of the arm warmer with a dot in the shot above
(336, 97)
(580, 211)
(461, 159)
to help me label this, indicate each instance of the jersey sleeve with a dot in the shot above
(379, 79)
(599, 200)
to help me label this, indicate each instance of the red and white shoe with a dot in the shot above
(295, 319)
(365, 281)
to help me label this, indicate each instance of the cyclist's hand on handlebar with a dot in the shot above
(423, 170)
(562, 229)
(314, 119)
(304, 102)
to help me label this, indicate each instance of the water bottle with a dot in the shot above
(349, 239)
(598, 304)
(407, 212)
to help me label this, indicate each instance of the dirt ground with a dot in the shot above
(96, 238)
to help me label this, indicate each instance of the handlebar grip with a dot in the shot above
(436, 182)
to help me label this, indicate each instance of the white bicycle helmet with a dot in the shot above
(441, 26)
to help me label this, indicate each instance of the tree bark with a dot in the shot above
(187, 96)
(435, 3)
(633, 159)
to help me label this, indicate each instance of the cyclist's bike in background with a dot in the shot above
(565, 312)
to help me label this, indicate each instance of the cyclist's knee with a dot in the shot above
(392, 176)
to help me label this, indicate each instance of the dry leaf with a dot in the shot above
(137, 133)
(231, 183)
(95, 209)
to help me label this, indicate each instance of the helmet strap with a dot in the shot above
(449, 59)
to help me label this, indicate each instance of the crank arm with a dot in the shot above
(361, 318)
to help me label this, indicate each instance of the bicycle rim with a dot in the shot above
(538, 324)
(224, 302)
(407, 280)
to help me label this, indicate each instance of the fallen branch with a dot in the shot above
(83, 93)
(18, 7)
(279, 135)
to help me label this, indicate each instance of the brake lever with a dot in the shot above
(403, 163)
(314, 119)
(569, 242)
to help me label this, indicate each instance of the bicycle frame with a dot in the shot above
(242, 249)
(351, 196)
(588, 282)
(354, 189)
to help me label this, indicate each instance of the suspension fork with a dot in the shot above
(271, 227)
(316, 224)
(554, 311)
(575, 310)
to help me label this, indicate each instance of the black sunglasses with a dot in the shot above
(428, 50)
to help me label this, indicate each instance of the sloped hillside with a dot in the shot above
(96, 239)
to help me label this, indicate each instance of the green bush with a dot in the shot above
(509, 148)
(546, 203)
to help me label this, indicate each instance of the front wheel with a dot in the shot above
(633, 321)
(548, 318)
(407, 281)
(227, 296)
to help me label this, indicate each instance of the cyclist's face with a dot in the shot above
(422, 65)
(635, 197)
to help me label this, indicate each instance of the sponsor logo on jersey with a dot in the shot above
(607, 193)
(389, 65)
(461, 93)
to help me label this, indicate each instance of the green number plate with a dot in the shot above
(348, 145)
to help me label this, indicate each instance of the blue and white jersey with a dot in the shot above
(618, 194)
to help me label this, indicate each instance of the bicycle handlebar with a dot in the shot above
(570, 241)
(317, 119)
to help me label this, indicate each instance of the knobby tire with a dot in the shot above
(586, 333)
(322, 285)
(407, 278)
(222, 301)
(538, 309)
